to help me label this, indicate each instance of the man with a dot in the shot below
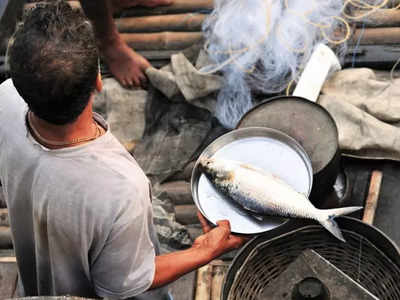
(125, 64)
(79, 204)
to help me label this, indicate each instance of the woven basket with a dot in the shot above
(368, 257)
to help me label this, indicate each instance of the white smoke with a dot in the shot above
(262, 45)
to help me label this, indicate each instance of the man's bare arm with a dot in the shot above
(206, 247)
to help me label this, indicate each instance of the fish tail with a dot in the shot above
(328, 216)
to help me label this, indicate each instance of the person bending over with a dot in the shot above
(79, 204)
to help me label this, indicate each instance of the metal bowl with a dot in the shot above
(265, 148)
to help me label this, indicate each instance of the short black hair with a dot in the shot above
(54, 61)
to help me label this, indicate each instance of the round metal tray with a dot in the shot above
(265, 148)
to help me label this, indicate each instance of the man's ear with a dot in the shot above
(99, 83)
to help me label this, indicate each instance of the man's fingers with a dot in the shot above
(224, 224)
(236, 241)
(204, 223)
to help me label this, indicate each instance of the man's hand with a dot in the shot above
(218, 240)
(210, 245)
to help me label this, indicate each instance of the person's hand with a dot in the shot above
(218, 240)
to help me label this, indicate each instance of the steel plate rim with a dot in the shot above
(247, 132)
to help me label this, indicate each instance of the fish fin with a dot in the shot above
(327, 219)
(331, 225)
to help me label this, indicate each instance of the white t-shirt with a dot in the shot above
(81, 217)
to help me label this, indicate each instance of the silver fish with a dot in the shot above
(263, 193)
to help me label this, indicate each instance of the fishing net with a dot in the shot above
(261, 46)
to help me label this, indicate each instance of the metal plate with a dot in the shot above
(265, 148)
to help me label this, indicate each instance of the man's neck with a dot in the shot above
(82, 128)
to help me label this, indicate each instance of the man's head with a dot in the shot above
(54, 62)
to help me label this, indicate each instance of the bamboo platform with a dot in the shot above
(203, 284)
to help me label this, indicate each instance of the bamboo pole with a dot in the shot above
(161, 41)
(218, 274)
(380, 18)
(372, 199)
(203, 286)
(177, 22)
(8, 259)
(373, 36)
(178, 6)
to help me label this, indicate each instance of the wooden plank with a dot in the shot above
(210, 279)
(176, 22)
(373, 196)
(8, 279)
(203, 286)
(178, 6)
(161, 41)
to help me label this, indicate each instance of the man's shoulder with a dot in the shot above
(12, 106)
(9, 94)
(97, 178)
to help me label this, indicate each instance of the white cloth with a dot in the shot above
(366, 110)
(81, 216)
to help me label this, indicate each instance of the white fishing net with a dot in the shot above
(262, 45)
